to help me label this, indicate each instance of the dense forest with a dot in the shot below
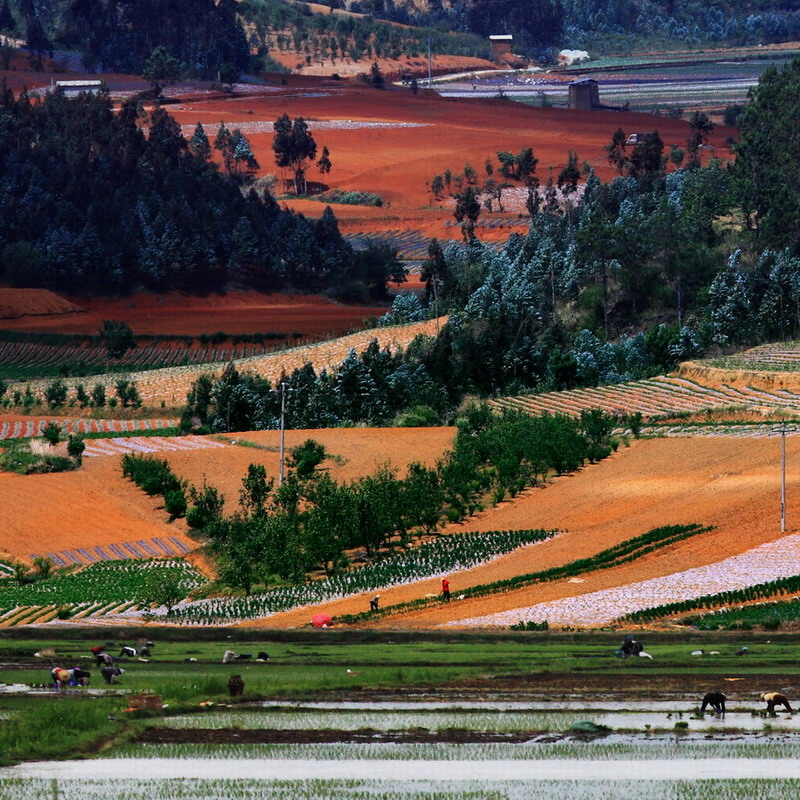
(208, 38)
(119, 35)
(539, 25)
(93, 199)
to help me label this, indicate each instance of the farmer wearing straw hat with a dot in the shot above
(776, 699)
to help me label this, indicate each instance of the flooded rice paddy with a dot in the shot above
(372, 789)
(654, 750)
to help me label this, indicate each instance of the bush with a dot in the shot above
(207, 508)
(175, 503)
(351, 198)
(151, 475)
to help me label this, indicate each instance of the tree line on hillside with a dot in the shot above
(119, 35)
(310, 521)
(90, 202)
(634, 276)
(541, 26)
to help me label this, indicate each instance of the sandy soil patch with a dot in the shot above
(92, 506)
(732, 484)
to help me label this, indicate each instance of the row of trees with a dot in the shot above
(542, 25)
(311, 521)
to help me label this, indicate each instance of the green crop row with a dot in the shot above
(445, 554)
(101, 583)
(782, 586)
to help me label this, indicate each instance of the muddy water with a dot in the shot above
(296, 769)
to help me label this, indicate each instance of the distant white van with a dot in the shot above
(638, 138)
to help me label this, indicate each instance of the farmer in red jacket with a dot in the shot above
(445, 590)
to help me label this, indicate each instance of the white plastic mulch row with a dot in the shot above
(738, 431)
(768, 562)
(313, 125)
(147, 444)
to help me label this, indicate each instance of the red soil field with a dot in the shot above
(732, 484)
(396, 162)
(96, 505)
(182, 314)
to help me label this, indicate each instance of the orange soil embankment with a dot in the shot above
(182, 314)
(732, 484)
(15, 303)
(759, 379)
(96, 505)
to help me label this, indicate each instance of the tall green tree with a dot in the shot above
(294, 147)
(767, 169)
(161, 69)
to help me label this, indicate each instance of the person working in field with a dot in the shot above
(776, 699)
(445, 590)
(714, 699)
(110, 673)
(629, 647)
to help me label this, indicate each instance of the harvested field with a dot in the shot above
(97, 506)
(732, 484)
(171, 385)
(235, 312)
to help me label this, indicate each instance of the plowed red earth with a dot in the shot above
(397, 162)
(188, 315)
(96, 505)
(732, 484)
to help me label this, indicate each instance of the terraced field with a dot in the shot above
(26, 359)
(768, 562)
(26, 429)
(170, 386)
(780, 356)
(654, 397)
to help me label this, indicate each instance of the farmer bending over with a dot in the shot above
(776, 699)
(714, 699)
